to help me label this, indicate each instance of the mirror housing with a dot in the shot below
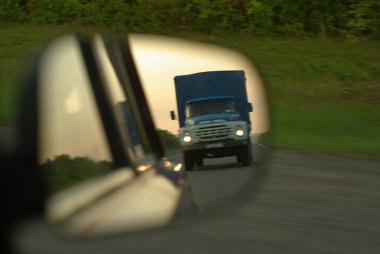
(93, 87)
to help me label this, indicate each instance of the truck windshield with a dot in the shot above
(210, 107)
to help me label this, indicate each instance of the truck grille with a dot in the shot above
(213, 132)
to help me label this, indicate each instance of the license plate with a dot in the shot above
(214, 145)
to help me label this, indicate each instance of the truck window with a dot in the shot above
(210, 107)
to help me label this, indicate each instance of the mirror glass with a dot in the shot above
(77, 152)
(159, 60)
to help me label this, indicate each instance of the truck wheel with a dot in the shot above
(250, 155)
(244, 156)
(238, 157)
(188, 160)
(200, 162)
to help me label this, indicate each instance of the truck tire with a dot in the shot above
(188, 160)
(238, 156)
(200, 162)
(244, 155)
(250, 155)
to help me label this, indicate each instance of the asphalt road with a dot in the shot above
(311, 203)
(217, 181)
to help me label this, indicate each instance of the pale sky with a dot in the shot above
(159, 59)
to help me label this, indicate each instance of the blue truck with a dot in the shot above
(213, 114)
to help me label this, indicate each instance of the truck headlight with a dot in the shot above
(239, 132)
(187, 137)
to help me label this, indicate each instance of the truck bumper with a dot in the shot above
(223, 144)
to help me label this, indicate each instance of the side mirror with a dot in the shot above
(172, 115)
(90, 113)
(250, 107)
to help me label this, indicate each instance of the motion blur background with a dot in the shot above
(320, 61)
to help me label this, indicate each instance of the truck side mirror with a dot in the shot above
(250, 107)
(172, 115)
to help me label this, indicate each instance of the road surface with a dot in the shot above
(311, 203)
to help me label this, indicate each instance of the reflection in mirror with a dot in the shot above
(127, 127)
(159, 61)
(93, 145)
(96, 149)
(71, 137)
(73, 151)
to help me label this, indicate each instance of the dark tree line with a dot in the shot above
(64, 171)
(168, 139)
(325, 18)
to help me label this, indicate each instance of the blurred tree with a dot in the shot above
(364, 18)
(64, 171)
(51, 11)
(168, 139)
(11, 11)
(326, 18)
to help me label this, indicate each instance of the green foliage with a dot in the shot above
(54, 11)
(259, 18)
(108, 13)
(326, 18)
(65, 171)
(168, 139)
(156, 15)
(364, 17)
(11, 11)
(230, 16)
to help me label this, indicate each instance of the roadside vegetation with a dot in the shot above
(63, 171)
(320, 61)
(168, 139)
